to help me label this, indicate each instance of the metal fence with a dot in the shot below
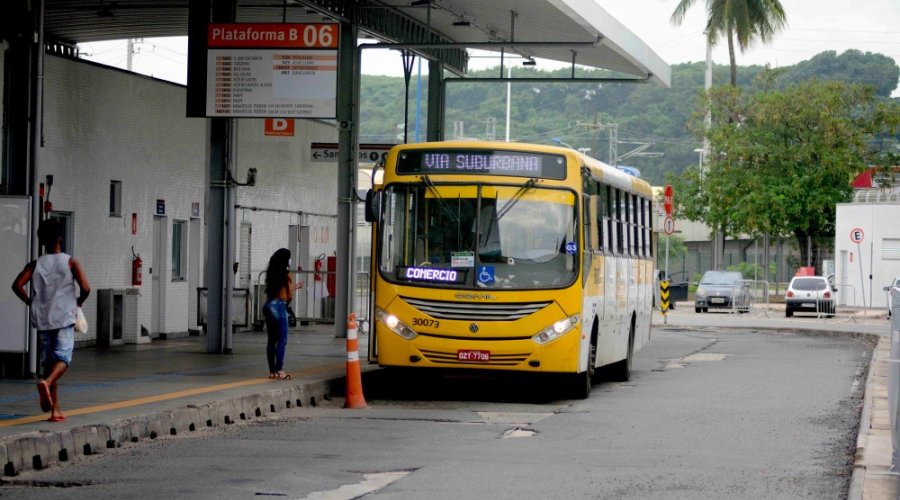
(894, 380)
(314, 301)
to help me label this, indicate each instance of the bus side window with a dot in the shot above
(611, 220)
(591, 224)
(600, 221)
(635, 225)
(645, 225)
(619, 216)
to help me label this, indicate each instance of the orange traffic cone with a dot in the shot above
(353, 383)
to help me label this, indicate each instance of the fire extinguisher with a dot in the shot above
(318, 266)
(137, 265)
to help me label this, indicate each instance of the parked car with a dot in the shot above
(890, 296)
(722, 290)
(809, 294)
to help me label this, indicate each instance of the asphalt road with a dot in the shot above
(707, 414)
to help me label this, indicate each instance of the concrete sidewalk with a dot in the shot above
(135, 392)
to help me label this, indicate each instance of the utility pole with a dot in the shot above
(613, 137)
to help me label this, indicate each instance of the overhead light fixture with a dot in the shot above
(419, 3)
(528, 62)
(461, 22)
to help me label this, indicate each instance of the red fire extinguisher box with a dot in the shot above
(330, 278)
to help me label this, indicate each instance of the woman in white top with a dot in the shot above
(53, 305)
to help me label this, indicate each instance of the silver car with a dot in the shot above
(722, 290)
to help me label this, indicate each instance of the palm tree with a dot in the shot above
(742, 20)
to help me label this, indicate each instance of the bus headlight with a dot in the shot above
(556, 330)
(394, 324)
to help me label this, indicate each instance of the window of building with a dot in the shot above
(890, 248)
(115, 198)
(179, 250)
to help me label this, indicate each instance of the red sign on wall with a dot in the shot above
(280, 127)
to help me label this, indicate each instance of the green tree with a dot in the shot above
(741, 21)
(790, 156)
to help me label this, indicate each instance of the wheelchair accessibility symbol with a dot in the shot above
(485, 274)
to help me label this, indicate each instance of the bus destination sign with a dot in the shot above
(482, 162)
(432, 274)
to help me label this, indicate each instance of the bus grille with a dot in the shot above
(468, 311)
(450, 358)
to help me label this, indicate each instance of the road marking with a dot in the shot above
(517, 433)
(372, 482)
(159, 397)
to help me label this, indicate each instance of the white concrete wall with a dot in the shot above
(288, 184)
(102, 124)
(878, 222)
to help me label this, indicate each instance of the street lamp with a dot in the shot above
(700, 151)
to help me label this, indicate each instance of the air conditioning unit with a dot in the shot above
(117, 317)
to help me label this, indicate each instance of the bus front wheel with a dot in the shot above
(581, 382)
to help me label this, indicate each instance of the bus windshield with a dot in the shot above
(478, 236)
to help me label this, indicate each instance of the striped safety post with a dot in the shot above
(353, 383)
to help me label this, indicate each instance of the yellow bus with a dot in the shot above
(509, 256)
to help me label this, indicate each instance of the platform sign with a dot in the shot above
(257, 70)
(367, 153)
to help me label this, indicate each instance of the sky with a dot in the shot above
(813, 26)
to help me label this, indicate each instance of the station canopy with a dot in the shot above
(580, 32)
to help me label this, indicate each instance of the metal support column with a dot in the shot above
(348, 78)
(218, 227)
(36, 142)
(435, 100)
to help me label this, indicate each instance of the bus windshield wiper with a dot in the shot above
(516, 197)
(440, 199)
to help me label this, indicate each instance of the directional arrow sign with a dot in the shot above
(664, 296)
(367, 153)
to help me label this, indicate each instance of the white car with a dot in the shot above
(809, 294)
(890, 296)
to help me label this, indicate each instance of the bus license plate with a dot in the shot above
(470, 355)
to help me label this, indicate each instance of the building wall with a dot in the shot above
(103, 124)
(854, 263)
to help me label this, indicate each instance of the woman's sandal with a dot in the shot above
(282, 376)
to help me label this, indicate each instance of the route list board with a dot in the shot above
(272, 70)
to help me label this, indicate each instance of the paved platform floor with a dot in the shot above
(137, 392)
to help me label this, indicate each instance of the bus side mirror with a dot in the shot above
(373, 205)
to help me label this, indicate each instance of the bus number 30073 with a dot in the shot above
(426, 322)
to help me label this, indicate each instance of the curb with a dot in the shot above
(41, 450)
(858, 478)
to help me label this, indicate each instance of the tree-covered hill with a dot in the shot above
(585, 114)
